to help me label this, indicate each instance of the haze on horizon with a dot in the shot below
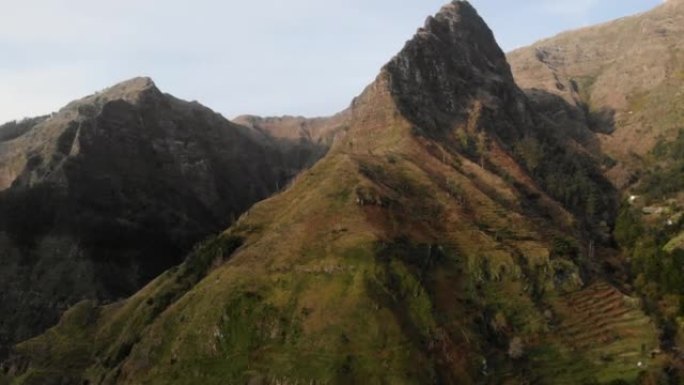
(301, 57)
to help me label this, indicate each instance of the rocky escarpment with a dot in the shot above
(102, 196)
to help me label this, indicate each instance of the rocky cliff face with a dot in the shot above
(451, 62)
(441, 240)
(102, 196)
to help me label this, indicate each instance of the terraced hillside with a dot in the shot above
(607, 329)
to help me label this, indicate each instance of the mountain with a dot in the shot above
(626, 75)
(455, 233)
(104, 195)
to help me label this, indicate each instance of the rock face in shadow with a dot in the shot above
(450, 62)
(115, 188)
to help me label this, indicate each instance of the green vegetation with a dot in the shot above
(667, 177)
(584, 86)
(205, 254)
(628, 227)
(657, 270)
(656, 264)
(101, 338)
(675, 243)
(603, 336)
(567, 176)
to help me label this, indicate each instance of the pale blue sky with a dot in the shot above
(268, 57)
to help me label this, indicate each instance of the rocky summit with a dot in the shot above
(457, 229)
(450, 62)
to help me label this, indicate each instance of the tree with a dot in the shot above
(531, 152)
(481, 146)
(516, 348)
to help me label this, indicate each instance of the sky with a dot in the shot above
(267, 57)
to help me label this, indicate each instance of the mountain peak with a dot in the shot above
(450, 63)
(453, 22)
(130, 88)
(139, 82)
(131, 91)
(455, 11)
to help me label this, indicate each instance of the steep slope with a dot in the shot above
(627, 75)
(430, 245)
(104, 195)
